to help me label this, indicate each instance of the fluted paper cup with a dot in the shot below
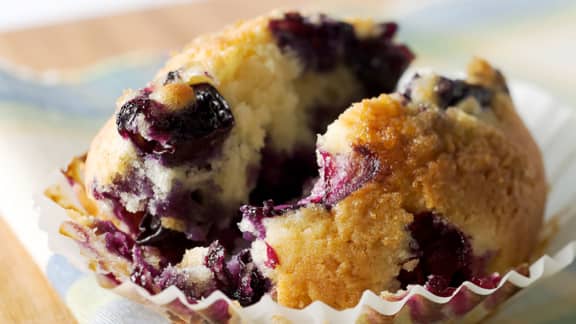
(553, 126)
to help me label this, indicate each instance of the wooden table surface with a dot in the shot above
(25, 294)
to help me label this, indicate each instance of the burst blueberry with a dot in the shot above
(451, 92)
(444, 255)
(177, 136)
(323, 44)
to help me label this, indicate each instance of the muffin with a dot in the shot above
(230, 120)
(436, 185)
(212, 177)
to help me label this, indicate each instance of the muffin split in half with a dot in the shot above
(211, 178)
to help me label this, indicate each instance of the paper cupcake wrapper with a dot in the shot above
(553, 127)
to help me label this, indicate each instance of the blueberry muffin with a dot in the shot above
(230, 120)
(435, 185)
(212, 178)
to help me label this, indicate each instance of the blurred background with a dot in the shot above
(64, 62)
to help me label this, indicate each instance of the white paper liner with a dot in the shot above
(552, 125)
